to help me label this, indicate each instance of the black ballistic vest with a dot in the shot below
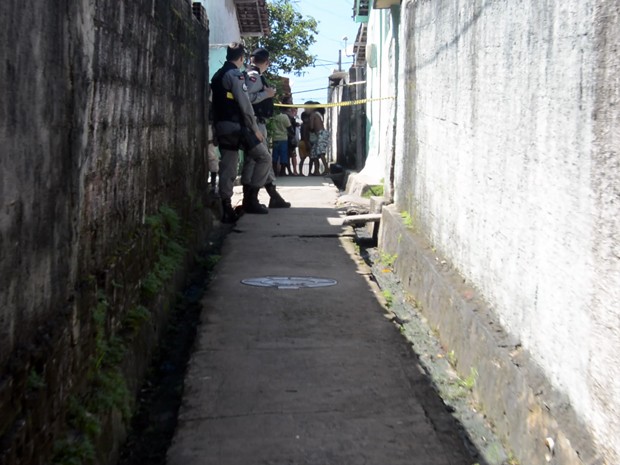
(224, 108)
(264, 109)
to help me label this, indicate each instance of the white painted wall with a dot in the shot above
(223, 24)
(380, 111)
(223, 29)
(507, 156)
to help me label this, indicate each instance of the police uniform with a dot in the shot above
(235, 127)
(263, 109)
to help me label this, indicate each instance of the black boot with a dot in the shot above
(213, 184)
(275, 199)
(253, 204)
(228, 213)
(246, 197)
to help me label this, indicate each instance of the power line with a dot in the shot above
(309, 90)
(329, 87)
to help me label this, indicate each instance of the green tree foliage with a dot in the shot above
(291, 36)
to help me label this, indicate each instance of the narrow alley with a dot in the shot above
(479, 327)
(306, 368)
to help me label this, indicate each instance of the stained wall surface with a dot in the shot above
(507, 143)
(102, 121)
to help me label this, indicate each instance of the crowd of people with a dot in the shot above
(242, 110)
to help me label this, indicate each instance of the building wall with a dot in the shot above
(223, 24)
(102, 122)
(507, 161)
(382, 58)
(223, 29)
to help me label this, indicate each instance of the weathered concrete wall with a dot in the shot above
(507, 162)
(102, 121)
(382, 58)
(225, 26)
(223, 29)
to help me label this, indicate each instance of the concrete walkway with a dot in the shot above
(313, 376)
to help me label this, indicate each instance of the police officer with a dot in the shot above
(236, 128)
(261, 95)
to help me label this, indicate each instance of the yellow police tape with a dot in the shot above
(347, 103)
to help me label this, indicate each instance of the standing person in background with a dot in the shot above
(320, 140)
(236, 128)
(293, 140)
(279, 135)
(261, 95)
(304, 143)
(213, 159)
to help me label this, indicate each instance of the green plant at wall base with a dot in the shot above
(81, 419)
(76, 450)
(165, 224)
(373, 191)
(135, 318)
(151, 284)
(469, 382)
(165, 227)
(104, 376)
(387, 259)
(99, 320)
(114, 351)
(407, 220)
(107, 390)
(389, 298)
(452, 358)
(110, 392)
(212, 261)
(34, 381)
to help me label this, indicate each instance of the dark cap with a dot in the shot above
(260, 53)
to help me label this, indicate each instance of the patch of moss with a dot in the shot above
(373, 191)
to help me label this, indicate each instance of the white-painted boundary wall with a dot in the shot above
(506, 157)
(223, 29)
(223, 23)
(381, 78)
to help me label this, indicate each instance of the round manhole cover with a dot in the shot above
(289, 282)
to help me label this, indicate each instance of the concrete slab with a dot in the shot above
(305, 376)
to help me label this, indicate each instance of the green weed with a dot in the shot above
(135, 318)
(373, 191)
(387, 259)
(469, 382)
(82, 420)
(451, 357)
(389, 298)
(212, 261)
(77, 450)
(165, 227)
(407, 220)
(35, 381)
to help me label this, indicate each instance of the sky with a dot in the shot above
(335, 22)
